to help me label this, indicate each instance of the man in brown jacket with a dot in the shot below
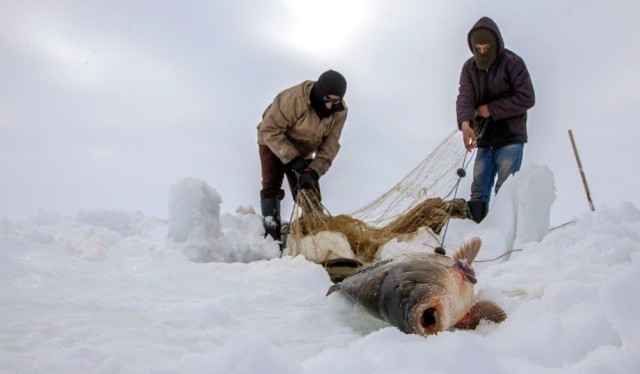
(299, 137)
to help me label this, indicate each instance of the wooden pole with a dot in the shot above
(584, 178)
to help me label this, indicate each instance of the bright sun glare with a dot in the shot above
(321, 27)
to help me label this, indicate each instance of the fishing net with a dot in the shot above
(423, 199)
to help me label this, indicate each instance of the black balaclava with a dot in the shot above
(329, 83)
(484, 36)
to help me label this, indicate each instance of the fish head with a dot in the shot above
(415, 298)
(438, 304)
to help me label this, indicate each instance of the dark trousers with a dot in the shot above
(273, 173)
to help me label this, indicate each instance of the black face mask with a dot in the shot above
(329, 83)
(319, 106)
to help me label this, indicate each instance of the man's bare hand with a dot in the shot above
(468, 136)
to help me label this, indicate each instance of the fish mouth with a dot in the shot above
(426, 318)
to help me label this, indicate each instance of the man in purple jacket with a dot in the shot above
(494, 95)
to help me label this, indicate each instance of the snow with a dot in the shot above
(121, 292)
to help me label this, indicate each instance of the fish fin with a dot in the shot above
(483, 309)
(332, 289)
(468, 251)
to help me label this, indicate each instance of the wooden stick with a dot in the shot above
(584, 178)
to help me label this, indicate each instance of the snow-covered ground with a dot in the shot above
(202, 292)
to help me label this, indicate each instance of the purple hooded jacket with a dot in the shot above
(506, 88)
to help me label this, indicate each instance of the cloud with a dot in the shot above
(109, 103)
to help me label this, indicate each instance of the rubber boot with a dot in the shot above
(478, 210)
(271, 217)
(485, 210)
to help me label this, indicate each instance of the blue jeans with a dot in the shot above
(503, 161)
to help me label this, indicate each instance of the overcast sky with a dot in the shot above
(106, 104)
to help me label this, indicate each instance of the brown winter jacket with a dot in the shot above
(506, 88)
(290, 127)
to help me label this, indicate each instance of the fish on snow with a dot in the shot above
(422, 293)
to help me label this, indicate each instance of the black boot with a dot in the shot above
(271, 217)
(478, 210)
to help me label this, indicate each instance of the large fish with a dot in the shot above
(422, 293)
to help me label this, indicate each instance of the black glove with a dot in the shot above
(308, 179)
(298, 164)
